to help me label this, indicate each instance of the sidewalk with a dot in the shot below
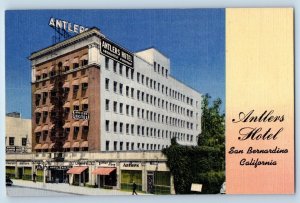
(66, 188)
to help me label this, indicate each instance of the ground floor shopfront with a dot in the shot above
(148, 171)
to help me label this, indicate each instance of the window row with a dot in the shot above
(65, 67)
(149, 82)
(118, 127)
(121, 146)
(147, 114)
(148, 98)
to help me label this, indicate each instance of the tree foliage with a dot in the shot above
(203, 164)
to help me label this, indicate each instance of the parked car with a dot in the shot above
(8, 181)
(223, 188)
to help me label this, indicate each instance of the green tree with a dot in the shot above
(205, 162)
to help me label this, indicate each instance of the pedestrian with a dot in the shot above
(134, 188)
(34, 177)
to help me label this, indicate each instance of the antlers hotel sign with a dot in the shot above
(67, 26)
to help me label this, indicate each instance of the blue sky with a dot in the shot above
(193, 39)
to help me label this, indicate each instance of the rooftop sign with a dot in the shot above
(66, 26)
(117, 53)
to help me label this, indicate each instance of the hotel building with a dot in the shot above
(90, 94)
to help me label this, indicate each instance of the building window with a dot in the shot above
(24, 141)
(158, 68)
(127, 146)
(127, 91)
(85, 107)
(132, 129)
(121, 146)
(132, 111)
(106, 62)
(115, 66)
(121, 128)
(127, 110)
(115, 86)
(106, 83)
(107, 105)
(132, 74)
(76, 107)
(132, 92)
(154, 66)
(138, 77)
(166, 73)
(127, 128)
(138, 112)
(127, 72)
(138, 95)
(115, 146)
(115, 127)
(11, 141)
(107, 125)
(84, 86)
(162, 70)
(147, 81)
(121, 88)
(143, 79)
(132, 146)
(121, 108)
(115, 106)
(121, 69)
(107, 146)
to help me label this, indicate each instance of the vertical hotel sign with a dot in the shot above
(259, 101)
(117, 53)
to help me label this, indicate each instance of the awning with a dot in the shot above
(67, 125)
(50, 108)
(66, 105)
(45, 128)
(84, 57)
(38, 73)
(84, 144)
(66, 85)
(75, 144)
(84, 80)
(67, 145)
(50, 88)
(51, 145)
(75, 124)
(38, 92)
(76, 103)
(45, 108)
(84, 101)
(38, 129)
(66, 64)
(51, 68)
(77, 170)
(45, 146)
(75, 60)
(38, 110)
(105, 171)
(75, 82)
(38, 146)
(85, 123)
(51, 126)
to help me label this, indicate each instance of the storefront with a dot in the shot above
(58, 174)
(158, 182)
(130, 176)
(78, 175)
(106, 177)
(24, 170)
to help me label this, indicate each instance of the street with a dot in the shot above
(24, 191)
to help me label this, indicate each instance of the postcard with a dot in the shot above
(149, 102)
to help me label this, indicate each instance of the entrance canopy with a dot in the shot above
(77, 170)
(105, 171)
